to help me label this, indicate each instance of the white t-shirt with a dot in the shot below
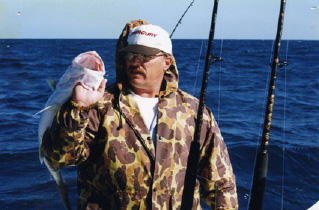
(148, 108)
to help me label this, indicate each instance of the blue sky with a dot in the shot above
(236, 19)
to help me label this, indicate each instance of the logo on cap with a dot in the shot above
(144, 33)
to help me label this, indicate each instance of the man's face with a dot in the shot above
(145, 74)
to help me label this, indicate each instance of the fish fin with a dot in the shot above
(46, 108)
(52, 84)
(63, 188)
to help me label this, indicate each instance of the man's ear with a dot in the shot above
(167, 62)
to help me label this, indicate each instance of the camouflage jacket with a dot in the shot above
(118, 165)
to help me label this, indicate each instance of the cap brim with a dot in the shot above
(140, 49)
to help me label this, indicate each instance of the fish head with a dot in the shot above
(90, 60)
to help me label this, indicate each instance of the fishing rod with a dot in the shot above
(193, 157)
(180, 20)
(261, 165)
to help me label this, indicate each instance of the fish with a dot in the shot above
(88, 69)
(315, 206)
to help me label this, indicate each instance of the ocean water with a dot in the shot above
(237, 92)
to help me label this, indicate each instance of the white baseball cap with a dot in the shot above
(148, 40)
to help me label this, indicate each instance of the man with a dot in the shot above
(131, 142)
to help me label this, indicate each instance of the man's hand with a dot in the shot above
(85, 97)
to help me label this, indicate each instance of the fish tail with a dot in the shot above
(63, 188)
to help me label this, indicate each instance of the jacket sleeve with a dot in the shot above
(216, 174)
(66, 142)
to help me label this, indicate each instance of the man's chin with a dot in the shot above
(136, 77)
(136, 82)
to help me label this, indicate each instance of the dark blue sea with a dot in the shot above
(237, 92)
